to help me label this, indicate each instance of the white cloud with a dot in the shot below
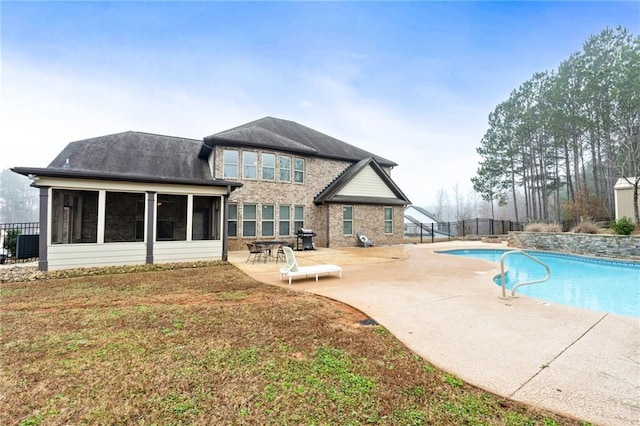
(42, 112)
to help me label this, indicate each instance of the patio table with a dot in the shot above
(273, 246)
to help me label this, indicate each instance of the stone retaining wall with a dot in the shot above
(602, 245)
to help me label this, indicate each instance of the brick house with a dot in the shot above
(295, 177)
(133, 198)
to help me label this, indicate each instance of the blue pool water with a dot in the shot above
(597, 284)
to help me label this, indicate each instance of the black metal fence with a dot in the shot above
(460, 229)
(19, 241)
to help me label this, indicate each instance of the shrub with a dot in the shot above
(586, 226)
(552, 227)
(533, 227)
(11, 241)
(623, 226)
(543, 227)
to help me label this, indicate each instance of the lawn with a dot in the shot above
(210, 345)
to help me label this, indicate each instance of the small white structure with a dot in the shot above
(623, 195)
(415, 218)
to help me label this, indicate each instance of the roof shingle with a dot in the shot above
(286, 135)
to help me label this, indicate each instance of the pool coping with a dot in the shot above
(580, 363)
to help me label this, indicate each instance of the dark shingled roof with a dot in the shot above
(329, 194)
(133, 156)
(285, 135)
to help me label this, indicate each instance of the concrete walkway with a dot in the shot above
(447, 309)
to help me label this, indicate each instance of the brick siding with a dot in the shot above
(319, 173)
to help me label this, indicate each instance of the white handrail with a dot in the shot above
(502, 274)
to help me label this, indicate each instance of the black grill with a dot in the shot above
(304, 240)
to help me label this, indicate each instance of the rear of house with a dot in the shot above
(295, 177)
(135, 198)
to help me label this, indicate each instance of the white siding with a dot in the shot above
(62, 256)
(187, 251)
(367, 183)
(94, 185)
(623, 194)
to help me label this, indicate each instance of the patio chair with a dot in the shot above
(366, 242)
(291, 268)
(256, 252)
(280, 253)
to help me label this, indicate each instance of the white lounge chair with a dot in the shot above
(291, 268)
(366, 242)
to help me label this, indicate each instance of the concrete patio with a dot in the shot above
(447, 309)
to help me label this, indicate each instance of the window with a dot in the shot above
(74, 217)
(388, 220)
(122, 222)
(171, 219)
(232, 221)
(268, 166)
(347, 220)
(268, 212)
(298, 217)
(249, 165)
(298, 170)
(284, 224)
(249, 220)
(230, 164)
(285, 168)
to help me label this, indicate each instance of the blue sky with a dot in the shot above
(411, 81)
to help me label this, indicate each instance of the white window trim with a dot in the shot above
(388, 220)
(272, 220)
(280, 168)
(254, 166)
(288, 220)
(237, 164)
(347, 220)
(298, 171)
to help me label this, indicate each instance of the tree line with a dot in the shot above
(18, 200)
(562, 139)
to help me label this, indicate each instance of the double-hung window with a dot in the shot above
(230, 164)
(347, 220)
(298, 217)
(388, 220)
(249, 165)
(298, 170)
(268, 166)
(285, 168)
(284, 221)
(249, 220)
(268, 220)
(232, 221)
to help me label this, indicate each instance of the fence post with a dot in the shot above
(433, 239)
(420, 232)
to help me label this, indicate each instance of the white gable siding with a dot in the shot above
(368, 184)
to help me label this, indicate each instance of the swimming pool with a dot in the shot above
(598, 284)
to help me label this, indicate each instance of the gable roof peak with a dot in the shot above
(330, 194)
